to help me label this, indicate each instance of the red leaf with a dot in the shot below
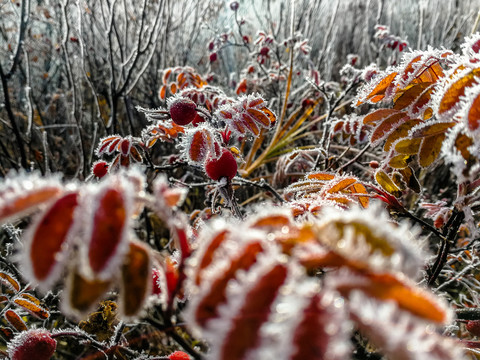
(244, 333)
(108, 229)
(50, 235)
(208, 305)
(207, 256)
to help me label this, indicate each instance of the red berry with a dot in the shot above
(179, 355)
(100, 169)
(224, 166)
(476, 47)
(35, 344)
(473, 326)
(213, 57)
(264, 51)
(182, 111)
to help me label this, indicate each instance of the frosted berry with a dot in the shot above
(473, 326)
(213, 57)
(234, 5)
(100, 169)
(264, 51)
(35, 344)
(224, 166)
(179, 355)
(182, 111)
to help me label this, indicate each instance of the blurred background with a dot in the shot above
(74, 70)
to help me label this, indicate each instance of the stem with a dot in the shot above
(451, 229)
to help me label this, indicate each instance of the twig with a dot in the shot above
(363, 151)
(451, 229)
(262, 184)
(24, 17)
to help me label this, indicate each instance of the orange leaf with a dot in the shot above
(15, 320)
(407, 295)
(379, 114)
(260, 117)
(32, 308)
(387, 126)
(410, 67)
(10, 281)
(31, 298)
(430, 149)
(432, 129)
(320, 176)
(166, 75)
(358, 188)
(400, 132)
(451, 97)
(378, 93)
(422, 101)
(162, 93)
(409, 96)
(271, 221)
(474, 114)
(341, 185)
(24, 201)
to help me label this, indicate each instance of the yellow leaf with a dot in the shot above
(387, 184)
(430, 149)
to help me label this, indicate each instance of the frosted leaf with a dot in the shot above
(22, 193)
(369, 236)
(166, 198)
(48, 241)
(306, 322)
(399, 335)
(247, 115)
(198, 143)
(106, 211)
